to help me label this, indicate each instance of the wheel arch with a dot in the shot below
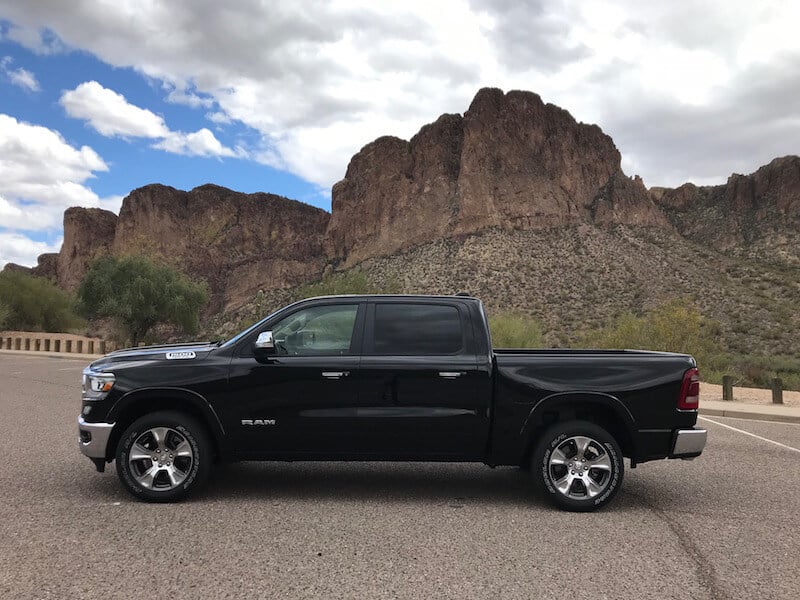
(602, 409)
(141, 402)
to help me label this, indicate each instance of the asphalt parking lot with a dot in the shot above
(723, 526)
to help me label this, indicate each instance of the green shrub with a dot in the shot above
(510, 330)
(759, 371)
(139, 294)
(34, 304)
(676, 326)
(5, 315)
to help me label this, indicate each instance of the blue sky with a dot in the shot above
(132, 162)
(99, 98)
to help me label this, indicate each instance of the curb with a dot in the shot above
(749, 414)
(65, 355)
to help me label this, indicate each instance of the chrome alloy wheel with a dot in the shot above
(160, 459)
(580, 467)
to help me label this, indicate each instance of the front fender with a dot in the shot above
(131, 400)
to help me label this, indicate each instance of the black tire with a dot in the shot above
(600, 465)
(178, 475)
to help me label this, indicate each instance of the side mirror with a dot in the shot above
(265, 341)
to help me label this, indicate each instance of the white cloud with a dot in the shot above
(319, 80)
(220, 118)
(110, 114)
(19, 77)
(199, 143)
(19, 249)
(187, 98)
(41, 175)
(35, 39)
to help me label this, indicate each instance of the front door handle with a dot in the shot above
(335, 374)
(451, 374)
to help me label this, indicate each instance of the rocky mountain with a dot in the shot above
(511, 161)
(237, 243)
(88, 235)
(513, 200)
(755, 215)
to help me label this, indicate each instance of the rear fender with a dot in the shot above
(565, 401)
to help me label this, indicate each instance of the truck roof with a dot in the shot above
(459, 296)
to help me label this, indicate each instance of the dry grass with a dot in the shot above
(575, 280)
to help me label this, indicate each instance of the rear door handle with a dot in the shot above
(335, 374)
(451, 374)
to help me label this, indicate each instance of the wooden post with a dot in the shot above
(777, 391)
(727, 388)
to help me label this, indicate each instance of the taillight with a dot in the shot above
(690, 390)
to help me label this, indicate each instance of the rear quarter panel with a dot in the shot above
(642, 388)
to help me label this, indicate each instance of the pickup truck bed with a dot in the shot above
(632, 392)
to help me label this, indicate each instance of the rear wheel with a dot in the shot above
(577, 465)
(163, 456)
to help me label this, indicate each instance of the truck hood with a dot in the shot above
(171, 352)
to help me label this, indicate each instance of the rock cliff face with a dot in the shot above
(47, 266)
(511, 161)
(88, 234)
(235, 242)
(755, 214)
(510, 165)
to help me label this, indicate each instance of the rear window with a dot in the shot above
(417, 329)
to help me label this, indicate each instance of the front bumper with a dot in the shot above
(93, 438)
(689, 443)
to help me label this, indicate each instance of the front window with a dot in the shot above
(316, 331)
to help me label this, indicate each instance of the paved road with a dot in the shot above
(723, 526)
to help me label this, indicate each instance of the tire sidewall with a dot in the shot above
(551, 439)
(187, 427)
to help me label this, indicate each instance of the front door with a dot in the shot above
(299, 400)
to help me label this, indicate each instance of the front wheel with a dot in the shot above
(577, 465)
(163, 456)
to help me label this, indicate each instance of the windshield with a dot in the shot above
(248, 331)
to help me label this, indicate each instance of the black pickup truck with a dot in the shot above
(400, 378)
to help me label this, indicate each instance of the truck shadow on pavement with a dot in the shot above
(370, 481)
(452, 484)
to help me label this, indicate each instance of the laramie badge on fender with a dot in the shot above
(185, 355)
(258, 421)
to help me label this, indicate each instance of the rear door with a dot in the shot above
(420, 385)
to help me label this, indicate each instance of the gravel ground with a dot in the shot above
(722, 526)
(710, 391)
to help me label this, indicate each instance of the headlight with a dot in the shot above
(97, 385)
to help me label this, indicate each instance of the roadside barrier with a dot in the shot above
(68, 343)
(776, 385)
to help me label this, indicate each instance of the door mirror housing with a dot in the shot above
(265, 341)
